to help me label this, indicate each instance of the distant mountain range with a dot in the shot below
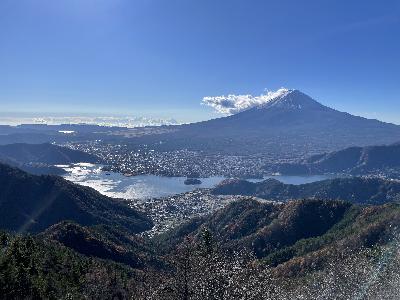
(354, 190)
(376, 160)
(30, 203)
(40, 158)
(110, 121)
(291, 125)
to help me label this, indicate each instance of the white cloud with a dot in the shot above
(233, 104)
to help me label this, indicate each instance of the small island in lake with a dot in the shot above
(192, 181)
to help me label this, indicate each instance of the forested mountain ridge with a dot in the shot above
(104, 242)
(384, 159)
(30, 203)
(39, 159)
(248, 249)
(293, 236)
(354, 189)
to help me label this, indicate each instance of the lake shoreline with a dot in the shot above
(142, 187)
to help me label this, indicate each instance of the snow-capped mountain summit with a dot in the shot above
(285, 112)
(292, 99)
(234, 104)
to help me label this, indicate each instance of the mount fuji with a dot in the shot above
(291, 125)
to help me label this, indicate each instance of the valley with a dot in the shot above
(199, 150)
(254, 199)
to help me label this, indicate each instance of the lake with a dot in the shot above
(151, 186)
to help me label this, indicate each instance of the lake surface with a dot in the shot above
(150, 186)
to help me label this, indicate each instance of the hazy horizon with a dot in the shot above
(207, 110)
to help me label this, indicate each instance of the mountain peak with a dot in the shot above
(283, 97)
(232, 104)
(291, 99)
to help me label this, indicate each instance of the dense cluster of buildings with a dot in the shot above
(168, 212)
(129, 161)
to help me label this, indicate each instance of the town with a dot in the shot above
(138, 161)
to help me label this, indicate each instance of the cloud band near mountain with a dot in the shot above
(232, 104)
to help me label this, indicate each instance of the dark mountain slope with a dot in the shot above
(354, 160)
(102, 241)
(33, 203)
(266, 227)
(295, 236)
(34, 168)
(39, 159)
(37, 268)
(297, 240)
(44, 154)
(355, 190)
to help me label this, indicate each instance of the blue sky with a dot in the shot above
(161, 57)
